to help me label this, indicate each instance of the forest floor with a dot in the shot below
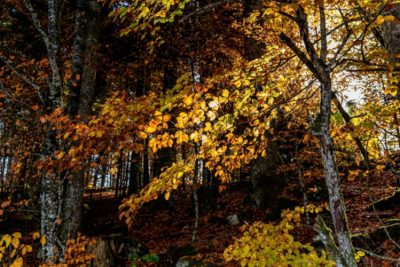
(166, 227)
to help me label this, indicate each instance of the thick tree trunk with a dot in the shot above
(85, 65)
(61, 196)
(89, 71)
(51, 186)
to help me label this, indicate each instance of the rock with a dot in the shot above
(190, 262)
(183, 262)
(233, 219)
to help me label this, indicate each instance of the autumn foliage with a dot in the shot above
(153, 107)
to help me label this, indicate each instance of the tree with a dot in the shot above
(61, 191)
(165, 96)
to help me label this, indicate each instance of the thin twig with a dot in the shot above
(370, 253)
(36, 21)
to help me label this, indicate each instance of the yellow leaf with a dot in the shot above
(170, 142)
(188, 100)
(225, 93)
(185, 138)
(246, 83)
(390, 18)
(237, 83)
(66, 135)
(211, 115)
(166, 118)
(246, 250)
(208, 127)
(194, 136)
(19, 262)
(179, 123)
(7, 240)
(360, 253)
(35, 235)
(17, 235)
(141, 134)
(380, 20)
(60, 155)
(151, 129)
(157, 113)
(393, 91)
(167, 195)
(43, 240)
(100, 133)
(13, 253)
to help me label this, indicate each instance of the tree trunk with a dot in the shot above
(51, 184)
(86, 42)
(336, 202)
(61, 196)
(317, 64)
(89, 70)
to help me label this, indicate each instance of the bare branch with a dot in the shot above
(324, 41)
(207, 8)
(36, 21)
(23, 77)
(369, 253)
(342, 44)
(300, 54)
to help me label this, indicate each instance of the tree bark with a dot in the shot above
(84, 58)
(337, 206)
(51, 184)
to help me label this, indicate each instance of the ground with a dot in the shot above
(165, 227)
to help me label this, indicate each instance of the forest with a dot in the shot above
(199, 133)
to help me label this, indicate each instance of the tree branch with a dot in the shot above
(207, 8)
(36, 21)
(324, 42)
(300, 54)
(381, 257)
(23, 77)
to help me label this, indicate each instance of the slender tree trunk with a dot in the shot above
(336, 202)
(118, 185)
(198, 178)
(134, 174)
(146, 164)
(2, 167)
